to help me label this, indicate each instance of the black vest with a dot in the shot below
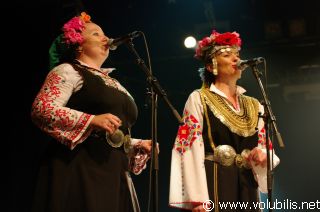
(95, 97)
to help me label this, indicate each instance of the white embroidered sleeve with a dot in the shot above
(49, 111)
(188, 184)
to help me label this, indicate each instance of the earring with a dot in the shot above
(214, 67)
(79, 49)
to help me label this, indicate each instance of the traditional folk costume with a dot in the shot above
(84, 170)
(208, 156)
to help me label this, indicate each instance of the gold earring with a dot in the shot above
(79, 49)
(214, 67)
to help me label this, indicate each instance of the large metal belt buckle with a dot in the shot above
(224, 154)
(241, 161)
(118, 138)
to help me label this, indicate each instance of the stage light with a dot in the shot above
(190, 42)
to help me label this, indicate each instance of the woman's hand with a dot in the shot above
(107, 122)
(257, 157)
(146, 145)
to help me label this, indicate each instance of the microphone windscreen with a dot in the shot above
(110, 44)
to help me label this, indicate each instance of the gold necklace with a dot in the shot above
(242, 122)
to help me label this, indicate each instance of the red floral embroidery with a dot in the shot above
(61, 123)
(183, 132)
(262, 138)
(187, 133)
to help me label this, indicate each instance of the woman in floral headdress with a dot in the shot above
(218, 144)
(89, 114)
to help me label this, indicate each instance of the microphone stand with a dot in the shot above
(155, 91)
(268, 118)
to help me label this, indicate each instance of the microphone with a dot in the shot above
(243, 64)
(114, 43)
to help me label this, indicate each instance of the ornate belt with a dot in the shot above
(226, 156)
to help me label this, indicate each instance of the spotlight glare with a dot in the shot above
(190, 42)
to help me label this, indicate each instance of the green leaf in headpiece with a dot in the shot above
(56, 51)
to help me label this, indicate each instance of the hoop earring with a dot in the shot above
(214, 67)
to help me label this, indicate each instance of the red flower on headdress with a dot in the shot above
(217, 39)
(228, 38)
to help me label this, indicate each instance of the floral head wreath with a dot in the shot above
(66, 43)
(73, 28)
(210, 45)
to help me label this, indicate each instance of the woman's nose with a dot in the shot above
(235, 58)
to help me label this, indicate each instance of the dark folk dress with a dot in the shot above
(91, 177)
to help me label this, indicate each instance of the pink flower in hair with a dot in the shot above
(72, 37)
(73, 28)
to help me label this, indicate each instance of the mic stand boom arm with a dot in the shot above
(156, 90)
